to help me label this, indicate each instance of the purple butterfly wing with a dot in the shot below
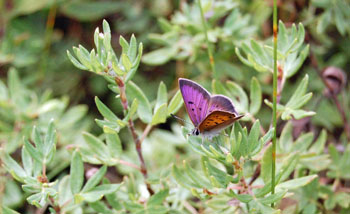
(221, 103)
(196, 100)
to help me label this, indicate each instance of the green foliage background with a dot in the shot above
(67, 135)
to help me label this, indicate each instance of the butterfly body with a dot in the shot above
(210, 114)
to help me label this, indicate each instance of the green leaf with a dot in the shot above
(221, 177)
(95, 179)
(160, 115)
(253, 138)
(15, 87)
(295, 183)
(133, 48)
(114, 145)
(65, 193)
(126, 62)
(76, 173)
(318, 146)
(273, 198)
(124, 44)
(255, 96)
(144, 110)
(237, 91)
(159, 56)
(266, 138)
(266, 162)
(3, 91)
(162, 96)
(343, 199)
(50, 140)
(133, 108)
(100, 207)
(294, 101)
(288, 165)
(90, 10)
(196, 177)
(105, 26)
(6, 210)
(98, 192)
(75, 62)
(37, 155)
(340, 22)
(175, 103)
(182, 179)
(158, 198)
(135, 65)
(286, 140)
(323, 22)
(14, 168)
(27, 162)
(72, 116)
(245, 198)
(37, 199)
(303, 142)
(96, 145)
(114, 201)
(105, 111)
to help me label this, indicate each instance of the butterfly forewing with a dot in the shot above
(217, 120)
(196, 100)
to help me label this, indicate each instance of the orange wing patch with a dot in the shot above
(217, 120)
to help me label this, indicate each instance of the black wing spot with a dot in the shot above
(193, 109)
(190, 102)
(230, 117)
(216, 123)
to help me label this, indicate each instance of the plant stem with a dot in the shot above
(210, 51)
(123, 162)
(274, 113)
(137, 141)
(131, 126)
(145, 132)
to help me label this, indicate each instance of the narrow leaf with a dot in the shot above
(76, 173)
(95, 179)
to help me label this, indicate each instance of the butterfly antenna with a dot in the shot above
(179, 118)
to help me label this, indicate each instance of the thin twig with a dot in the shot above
(145, 132)
(274, 114)
(137, 141)
(123, 162)
(131, 126)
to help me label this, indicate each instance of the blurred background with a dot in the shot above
(35, 35)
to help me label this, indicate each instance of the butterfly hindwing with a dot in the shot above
(196, 100)
(221, 103)
(217, 120)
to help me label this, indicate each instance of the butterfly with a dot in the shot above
(210, 114)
